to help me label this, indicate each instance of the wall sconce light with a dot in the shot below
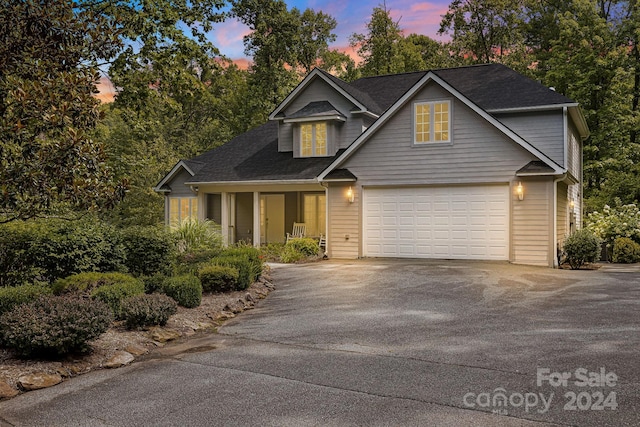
(520, 191)
(350, 195)
(572, 204)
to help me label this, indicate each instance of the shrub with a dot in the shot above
(153, 283)
(86, 282)
(218, 278)
(582, 247)
(13, 296)
(113, 294)
(54, 325)
(626, 251)
(147, 310)
(185, 289)
(239, 263)
(48, 249)
(195, 236)
(272, 252)
(149, 250)
(299, 249)
(614, 222)
(250, 253)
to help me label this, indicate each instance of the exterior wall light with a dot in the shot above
(350, 195)
(520, 191)
(572, 204)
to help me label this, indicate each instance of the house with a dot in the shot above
(474, 162)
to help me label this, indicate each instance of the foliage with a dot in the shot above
(11, 297)
(299, 249)
(114, 293)
(272, 252)
(195, 235)
(153, 283)
(218, 278)
(54, 325)
(582, 247)
(150, 250)
(185, 289)
(626, 251)
(85, 283)
(147, 310)
(47, 249)
(240, 263)
(252, 254)
(614, 222)
(48, 161)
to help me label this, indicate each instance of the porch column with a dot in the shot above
(224, 217)
(256, 218)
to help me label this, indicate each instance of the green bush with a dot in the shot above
(147, 310)
(54, 325)
(153, 283)
(198, 236)
(239, 263)
(85, 283)
(113, 294)
(13, 296)
(250, 253)
(272, 252)
(614, 222)
(48, 249)
(626, 251)
(185, 289)
(149, 250)
(582, 247)
(190, 262)
(291, 255)
(218, 278)
(307, 246)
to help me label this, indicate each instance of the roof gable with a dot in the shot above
(432, 76)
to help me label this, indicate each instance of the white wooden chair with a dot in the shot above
(299, 230)
(322, 243)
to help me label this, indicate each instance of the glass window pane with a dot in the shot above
(194, 209)
(184, 209)
(306, 140)
(321, 139)
(174, 211)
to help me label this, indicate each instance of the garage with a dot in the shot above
(453, 222)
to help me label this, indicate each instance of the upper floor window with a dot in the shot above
(313, 139)
(432, 122)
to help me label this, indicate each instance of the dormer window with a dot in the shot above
(313, 139)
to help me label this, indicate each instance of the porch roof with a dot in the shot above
(254, 156)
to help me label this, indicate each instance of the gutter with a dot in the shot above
(555, 217)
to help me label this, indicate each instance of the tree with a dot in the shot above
(49, 55)
(379, 47)
(315, 34)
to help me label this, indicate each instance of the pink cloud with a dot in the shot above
(106, 90)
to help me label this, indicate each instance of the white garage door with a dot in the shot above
(437, 222)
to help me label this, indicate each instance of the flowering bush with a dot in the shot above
(615, 222)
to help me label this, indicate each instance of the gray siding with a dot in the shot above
(343, 221)
(562, 214)
(479, 152)
(178, 188)
(532, 223)
(544, 130)
(319, 90)
(574, 153)
(244, 217)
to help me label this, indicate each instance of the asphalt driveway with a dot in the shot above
(387, 342)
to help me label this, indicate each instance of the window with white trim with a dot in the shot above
(432, 122)
(182, 209)
(315, 214)
(313, 139)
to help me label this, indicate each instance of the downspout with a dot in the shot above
(555, 217)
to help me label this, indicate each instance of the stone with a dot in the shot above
(121, 358)
(225, 315)
(163, 335)
(249, 298)
(6, 391)
(38, 380)
(136, 350)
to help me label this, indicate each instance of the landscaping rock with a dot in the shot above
(136, 350)
(163, 335)
(121, 358)
(6, 391)
(249, 298)
(38, 380)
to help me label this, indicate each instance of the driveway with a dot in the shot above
(387, 342)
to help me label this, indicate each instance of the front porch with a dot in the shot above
(263, 215)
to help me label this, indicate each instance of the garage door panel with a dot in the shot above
(437, 222)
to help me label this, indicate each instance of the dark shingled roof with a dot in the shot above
(254, 156)
(535, 167)
(318, 108)
(497, 87)
(340, 175)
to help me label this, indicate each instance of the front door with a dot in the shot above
(272, 218)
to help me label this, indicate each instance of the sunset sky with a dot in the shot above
(422, 17)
